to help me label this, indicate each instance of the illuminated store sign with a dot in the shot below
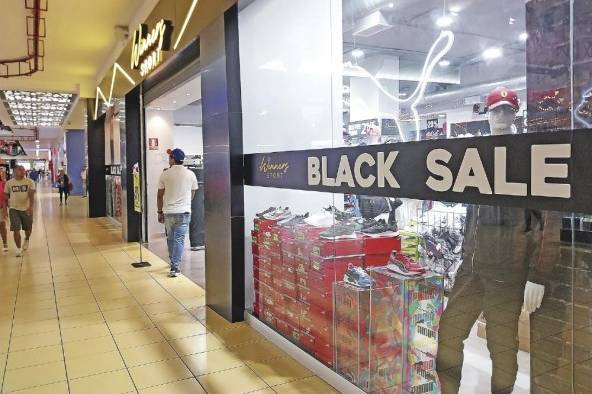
(147, 47)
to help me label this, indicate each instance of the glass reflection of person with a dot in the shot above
(493, 278)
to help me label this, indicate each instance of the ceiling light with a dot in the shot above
(512, 21)
(492, 53)
(444, 21)
(37, 108)
(187, 94)
(523, 36)
(357, 53)
(391, 5)
(37, 141)
(174, 101)
(454, 8)
(444, 63)
(158, 108)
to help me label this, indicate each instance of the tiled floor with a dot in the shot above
(75, 317)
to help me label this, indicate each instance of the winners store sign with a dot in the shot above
(538, 171)
(147, 46)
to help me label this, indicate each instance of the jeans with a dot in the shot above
(177, 225)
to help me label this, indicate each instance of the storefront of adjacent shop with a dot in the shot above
(163, 92)
(416, 197)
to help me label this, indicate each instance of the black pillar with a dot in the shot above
(223, 167)
(96, 167)
(131, 145)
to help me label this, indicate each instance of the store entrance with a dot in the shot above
(174, 120)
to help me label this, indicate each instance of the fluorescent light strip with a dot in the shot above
(182, 31)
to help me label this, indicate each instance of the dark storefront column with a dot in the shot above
(75, 149)
(223, 167)
(131, 146)
(96, 167)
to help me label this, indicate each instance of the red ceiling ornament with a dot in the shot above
(33, 61)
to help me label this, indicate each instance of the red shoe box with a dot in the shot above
(289, 246)
(262, 225)
(290, 289)
(307, 341)
(255, 248)
(263, 276)
(323, 352)
(302, 249)
(269, 318)
(315, 297)
(305, 232)
(338, 247)
(302, 264)
(376, 260)
(289, 274)
(257, 309)
(317, 322)
(302, 278)
(288, 259)
(265, 264)
(335, 267)
(270, 248)
(276, 260)
(381, 245)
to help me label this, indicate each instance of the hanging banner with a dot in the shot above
(539, 170)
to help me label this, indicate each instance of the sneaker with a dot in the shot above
(320, 220)
(197, 248)
(19, 252)
(403, 265)
(338, 214)
(174, 272)
(268, 210)
(293, 220)
(379, 228)
(357, 276)
(26, 244)
(340, 231)
(5, 248)
(278, 214)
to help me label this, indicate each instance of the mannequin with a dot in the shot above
(501, 121)
(493, 279)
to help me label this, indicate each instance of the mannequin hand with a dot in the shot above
(533, 296)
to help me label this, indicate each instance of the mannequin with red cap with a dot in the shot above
(493, 279)
(502, 106)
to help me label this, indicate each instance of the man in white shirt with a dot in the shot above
(176, 189)
(20, 193)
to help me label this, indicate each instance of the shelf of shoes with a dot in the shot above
(294, 271)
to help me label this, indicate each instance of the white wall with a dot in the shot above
(291, 80)
(189, 139)
(159, 124)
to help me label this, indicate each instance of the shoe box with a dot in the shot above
(377, 250)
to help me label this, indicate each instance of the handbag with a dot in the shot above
(70, 186)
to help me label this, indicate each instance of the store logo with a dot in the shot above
(147, 47)
(273, 170)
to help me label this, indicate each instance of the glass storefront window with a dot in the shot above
(403, 295)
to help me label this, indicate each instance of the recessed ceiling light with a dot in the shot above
(441, 115)
(444, 21)
(455, 8)
(444, 63)
(391, 5)
(512, 21)
(187, 94)
(523, 36)
(174, 101)
(357, 53)
(492, 53)
(37, 108)
(158, 108)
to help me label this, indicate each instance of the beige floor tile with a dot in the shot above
(124, 326)
(52, 388)
(163, 307)
(2, 364)
(213, 361)
(77, 309)
(34, 305)
(32, 357)
(85, 332)
(148, 354)
(23, 316)
(159, 373)
(93, 364)
(76, 299)
(251, 352)
(196, 344)
(264, 391)
(124, 313)
(188, 386)
(89, 346)
(23, 378)
(111, 382)
(34, 341)
(116, 303)
(138, 338)
(173, 330)
(39, 327)
(81, 320)
(238, 335)
(280, 371)
(312, 385)
(214, 321)
(232, 381)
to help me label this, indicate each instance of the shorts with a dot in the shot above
(20, 220)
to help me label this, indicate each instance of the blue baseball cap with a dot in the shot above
(177, 154)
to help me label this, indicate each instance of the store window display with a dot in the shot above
(407, 295)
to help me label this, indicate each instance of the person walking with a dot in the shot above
(83, 180)
(3, 212)
(20, 193)
(176, 189)
(64, 186)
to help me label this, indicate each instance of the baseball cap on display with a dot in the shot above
(502, 96)
(176, 154)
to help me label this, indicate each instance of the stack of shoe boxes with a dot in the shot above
(294, 271)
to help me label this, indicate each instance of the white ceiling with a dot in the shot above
(183, 95)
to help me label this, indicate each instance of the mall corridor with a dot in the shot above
(76, 317)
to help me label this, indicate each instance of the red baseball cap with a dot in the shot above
(502, 96)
